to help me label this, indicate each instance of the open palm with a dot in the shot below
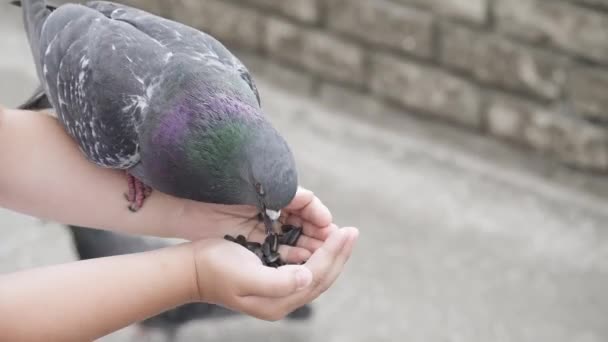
(305, 210)
(235, 278)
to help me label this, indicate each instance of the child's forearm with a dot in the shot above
(84, 300)
(44, 174)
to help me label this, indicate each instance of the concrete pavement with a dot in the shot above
(462, 239)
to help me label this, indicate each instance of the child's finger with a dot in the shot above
(325, 264)
(309, 243)
(316, 213)
(294, 255)
(318, 232)
(302, 198)
(265, 281)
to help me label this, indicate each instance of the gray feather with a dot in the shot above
(85, 49)
(38, 100)
(164, 101)
(35, 13)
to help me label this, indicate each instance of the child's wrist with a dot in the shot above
(180, 260)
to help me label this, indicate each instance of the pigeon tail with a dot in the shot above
(37, 101)
(35, 13)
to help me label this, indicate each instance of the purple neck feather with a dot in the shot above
(174, 125)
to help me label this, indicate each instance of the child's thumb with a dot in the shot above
(280, 282)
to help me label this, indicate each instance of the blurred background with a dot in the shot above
(467, 139)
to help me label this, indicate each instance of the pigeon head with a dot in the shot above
(219, 149)
(270, 166)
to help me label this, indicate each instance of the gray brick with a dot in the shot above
(506, 117)
(575, 141)
(591, 148)
(303, 10)
(558, 23)
(498, 61)
(588, 91)
(470, 10)
(595, 3)
(541, 130)
(350, 101)
(322, 54)
(551, 131)
(229, 23)
(426, 90)
(383, 23)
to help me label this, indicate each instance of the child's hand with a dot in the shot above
(231, 276)
(202, 220)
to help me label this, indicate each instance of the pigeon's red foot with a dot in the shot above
(137, 194)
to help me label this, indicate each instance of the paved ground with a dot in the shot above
(462, 239)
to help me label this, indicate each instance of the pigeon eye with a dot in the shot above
(259, 189)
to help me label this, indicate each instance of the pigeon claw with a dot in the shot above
(137, 194)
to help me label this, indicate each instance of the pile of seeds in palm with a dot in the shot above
(268, 251)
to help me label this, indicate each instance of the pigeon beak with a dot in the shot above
(269, 217)
(273, 214)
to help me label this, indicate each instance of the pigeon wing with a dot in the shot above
(99, 74)
(181, 39)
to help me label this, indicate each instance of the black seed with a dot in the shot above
(229, 238)
(274, 257)
(253, 245)
(283, 238)
(268, 239)
(288, 237)
(259, 254)
(274, 245)
(242, 240)
(294, 235)
(266, 249)
(287, 227)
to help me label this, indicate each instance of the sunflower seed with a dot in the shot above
(259, 254)
(287, 227)
(273, 241)
(266, 248)
(273, 258)
(294, 236)
(274, 245)
(267, 252)
(253, 245)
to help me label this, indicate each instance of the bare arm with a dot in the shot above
(84, 300)
(44, 174)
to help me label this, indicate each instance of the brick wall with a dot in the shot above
(532, 72)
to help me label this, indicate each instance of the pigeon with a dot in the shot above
(38, 100)
(93, 243)
(164, 102)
